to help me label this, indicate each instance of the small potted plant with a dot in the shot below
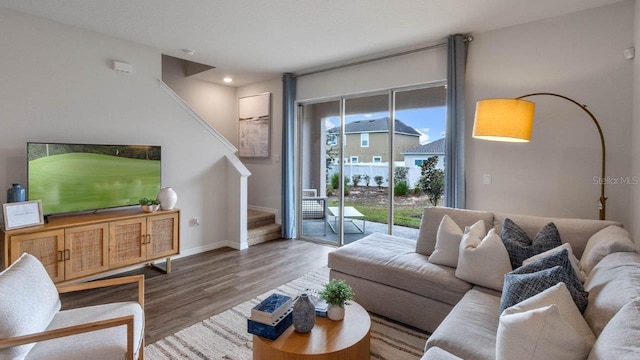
(149, 205)
(337, 294)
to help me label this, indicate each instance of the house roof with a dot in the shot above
(435, 147)
(377, 125)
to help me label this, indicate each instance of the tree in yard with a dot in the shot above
(432, 180)
(367, 179)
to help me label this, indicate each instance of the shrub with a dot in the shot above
(378, 180)
(356, 179)
(367, 179)
(401, 188)
(335, 180)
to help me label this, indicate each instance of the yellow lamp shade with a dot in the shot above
(504, 120)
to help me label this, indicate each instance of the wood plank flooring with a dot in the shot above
(206, 284)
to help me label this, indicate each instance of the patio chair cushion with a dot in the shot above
(28, 302)
(104, 344)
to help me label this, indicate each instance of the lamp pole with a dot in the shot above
(603, 199)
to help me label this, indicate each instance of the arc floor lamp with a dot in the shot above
(512, 120)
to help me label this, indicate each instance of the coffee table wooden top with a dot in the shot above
(327, 340)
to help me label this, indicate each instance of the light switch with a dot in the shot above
(486, 179)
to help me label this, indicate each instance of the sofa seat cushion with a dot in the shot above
(435, 353)
(392, 261)
(104, 344)
(611, 284)
(469, 331)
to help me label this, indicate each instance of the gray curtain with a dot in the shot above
(454, 143)
(288, 161)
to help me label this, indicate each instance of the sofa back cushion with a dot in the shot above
(28, 302)
(573, 231)
(606, 241)
(612, 283)
(432, 217)
(619, 339)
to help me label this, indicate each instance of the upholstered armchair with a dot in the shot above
(32, 326)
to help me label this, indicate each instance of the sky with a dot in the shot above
(430, 122)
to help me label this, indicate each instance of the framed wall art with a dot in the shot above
(254, 116)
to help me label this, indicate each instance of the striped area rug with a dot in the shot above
(224, 336)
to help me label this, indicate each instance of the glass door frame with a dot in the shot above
(299, 115)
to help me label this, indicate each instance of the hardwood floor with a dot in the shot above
(206, 284)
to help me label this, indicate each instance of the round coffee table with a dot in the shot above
(330, 340)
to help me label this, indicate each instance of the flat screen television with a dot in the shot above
(80, 177)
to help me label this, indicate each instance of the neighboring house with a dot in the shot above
(420, 153)
(367, 141)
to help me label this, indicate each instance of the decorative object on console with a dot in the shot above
(304, 314)
(167, 198)
(337, 294)
(512, 120)
(149, 205)
(16, 193)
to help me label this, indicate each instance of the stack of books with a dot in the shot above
(271, 317)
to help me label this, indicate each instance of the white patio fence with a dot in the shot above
(376, 169)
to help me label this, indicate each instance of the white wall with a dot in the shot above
(418, 68)
(58, 85)
(216, 103)
(265, 182)
(579, 56)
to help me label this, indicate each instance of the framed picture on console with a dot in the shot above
(22, 214)
(254, 117)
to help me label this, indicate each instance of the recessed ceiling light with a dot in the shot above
(189, 51)
(227, 79)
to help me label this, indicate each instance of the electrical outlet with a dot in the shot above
(194, 222)
(486, 179)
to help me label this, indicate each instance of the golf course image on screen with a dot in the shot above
(75, 177)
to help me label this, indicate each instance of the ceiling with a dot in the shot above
(255, 40)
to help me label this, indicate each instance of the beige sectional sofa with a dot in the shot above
(393, 277)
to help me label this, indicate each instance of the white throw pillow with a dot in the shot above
(575, 263)
(545, 326)
(483, 261)
(448, 241)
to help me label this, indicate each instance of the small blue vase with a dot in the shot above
(16, 194)
(304, 314)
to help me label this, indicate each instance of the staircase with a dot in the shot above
(261, 227)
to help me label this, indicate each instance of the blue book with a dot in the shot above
(271, 309)
(272, 331)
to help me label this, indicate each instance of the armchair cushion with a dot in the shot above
(104, 344)
(28, 302)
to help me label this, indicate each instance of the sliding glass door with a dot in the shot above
(360, 162)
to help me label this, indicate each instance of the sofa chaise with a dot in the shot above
(393, 277)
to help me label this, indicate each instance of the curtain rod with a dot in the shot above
(468, 38)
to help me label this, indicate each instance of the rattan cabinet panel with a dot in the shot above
(86, 250)
(163, 235)
(48, 246)
(127, 244)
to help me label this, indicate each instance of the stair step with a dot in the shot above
(256, 218)
(264, 234)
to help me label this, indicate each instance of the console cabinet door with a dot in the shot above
(127, 242)
(86, 250)
(48, 246)
(163, 235)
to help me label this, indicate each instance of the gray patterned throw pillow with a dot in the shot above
(534, 278)
(520, 247)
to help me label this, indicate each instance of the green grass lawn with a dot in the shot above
(404, 215)
(82, 181)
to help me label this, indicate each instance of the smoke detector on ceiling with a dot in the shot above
(189, 51)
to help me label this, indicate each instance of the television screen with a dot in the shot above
(79, 177)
